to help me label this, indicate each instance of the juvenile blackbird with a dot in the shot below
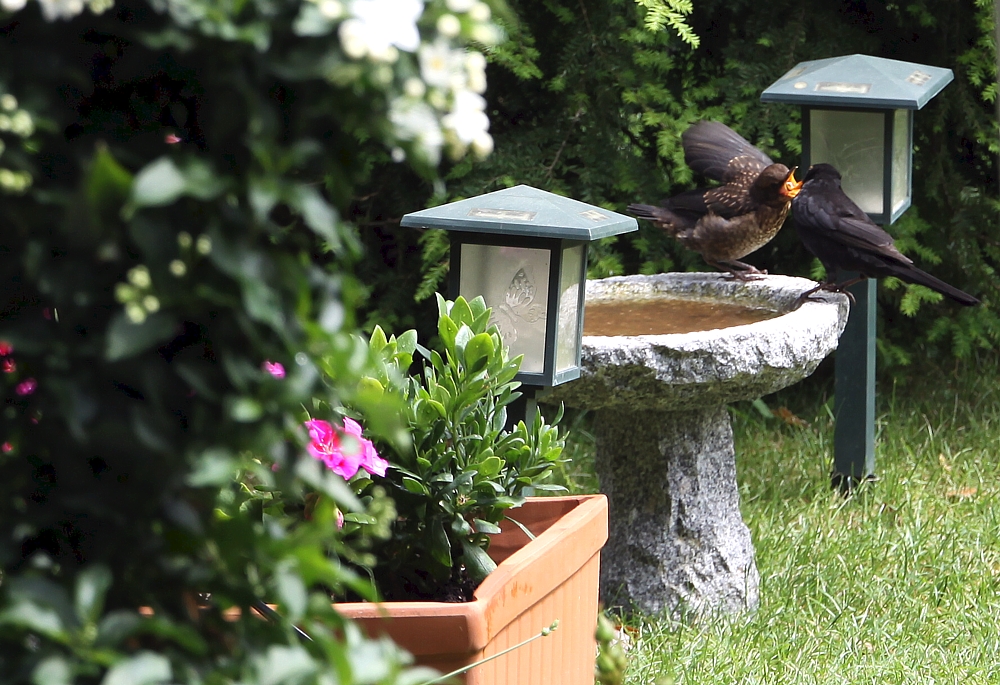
(727, 222)
(842, 236)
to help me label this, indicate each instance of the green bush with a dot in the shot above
(594, 109)
(173, 177)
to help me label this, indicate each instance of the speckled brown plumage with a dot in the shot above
(727, 222)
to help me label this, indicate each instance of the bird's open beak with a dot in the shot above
(791, 187)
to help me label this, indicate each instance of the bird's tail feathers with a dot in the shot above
(661, 216)
(914, 275)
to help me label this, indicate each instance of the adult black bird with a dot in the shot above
(842, 236)
(728, 222)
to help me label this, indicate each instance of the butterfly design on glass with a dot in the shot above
(518, 304)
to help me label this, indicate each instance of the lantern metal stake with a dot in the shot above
(524, 250)
(857, 114)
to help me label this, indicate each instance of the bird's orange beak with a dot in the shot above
(790, 188)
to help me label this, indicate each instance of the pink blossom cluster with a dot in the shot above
(8, 365)
(276, 369)
(326, 443)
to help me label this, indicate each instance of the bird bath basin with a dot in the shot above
(665, 455)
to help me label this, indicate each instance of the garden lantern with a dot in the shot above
(857, 114)
(525, 251)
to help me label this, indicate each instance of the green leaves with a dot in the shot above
(159, 183)
(144, 668)
(126, 339)
(478, 351)
(92, 585)
(162, 182)
(672, 13)
(469, 468)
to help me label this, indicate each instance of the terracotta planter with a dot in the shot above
(555, 576)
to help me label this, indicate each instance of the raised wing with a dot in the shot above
(718, 152)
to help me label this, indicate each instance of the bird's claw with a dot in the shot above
(745, 276)
(808, 296)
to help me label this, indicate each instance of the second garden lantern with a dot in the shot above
(857, 114)
(525, 251)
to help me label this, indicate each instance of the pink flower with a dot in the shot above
(26, 387)
(340, 519)
(327, 446)
(7, 447)
(5, 348)
(171, 139)
(274, 368)
(370, 461)
(9, 366)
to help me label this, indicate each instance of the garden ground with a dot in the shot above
(895, 584)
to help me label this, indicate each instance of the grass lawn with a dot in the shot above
(899, 583)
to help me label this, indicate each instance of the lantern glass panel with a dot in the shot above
(514, 281)
(854, 142)
(900, 159)
(567, 335)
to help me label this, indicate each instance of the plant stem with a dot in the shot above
(545, 633)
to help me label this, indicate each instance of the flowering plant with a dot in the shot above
(467, 470)
(326, 444)
(171, 219)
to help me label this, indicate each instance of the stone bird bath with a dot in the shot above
(665, 457)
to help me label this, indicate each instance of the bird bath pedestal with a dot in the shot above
(665, 459)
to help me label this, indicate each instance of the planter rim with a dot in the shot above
(512, 587)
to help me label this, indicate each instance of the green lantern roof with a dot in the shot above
(859, 81)
(524, 211)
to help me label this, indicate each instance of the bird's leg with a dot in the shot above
(738, 270)
(746, 268)
(829, 286)
(807, 295)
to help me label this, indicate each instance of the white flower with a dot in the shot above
(480, 12)
(331, 9)
(448, 25)
(135, 313)
(378, 27)
(13, 5)
(8, 101)
(414, 87)
(415, 120)
(468, 117)
(353, 38)
(475, 67)
(139, 276)
(441, 66)
(100, 6)
(487, 34)
(460, 5)
(60, 9)
(482, 145)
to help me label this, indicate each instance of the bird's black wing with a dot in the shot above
(838, 218)
(720, 153)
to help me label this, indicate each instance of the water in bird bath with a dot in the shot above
(668, 315)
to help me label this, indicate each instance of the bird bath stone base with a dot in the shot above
(665, 458)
